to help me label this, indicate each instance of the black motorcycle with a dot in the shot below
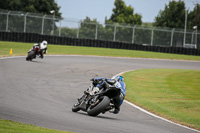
(35, 51)
(100, 102)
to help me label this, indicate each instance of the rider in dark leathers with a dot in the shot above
(104, 83)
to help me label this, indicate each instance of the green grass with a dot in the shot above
(173, 94)
(22, 49)
(170, 93)
(7, 126)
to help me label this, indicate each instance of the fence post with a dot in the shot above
(133, 36)
(42, 32)
(192, 40)
(53, 23)
(96, 34)
(25, 21)
(78, 29)
(172, 35)
(185, 28)
(196, 37)
(152, 36)
(60, 28)
(114, 32)
(7, 21)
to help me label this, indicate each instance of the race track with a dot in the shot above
(42, 93)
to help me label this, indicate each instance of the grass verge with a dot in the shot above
(7, 126)
(22, 49)
(171, 93)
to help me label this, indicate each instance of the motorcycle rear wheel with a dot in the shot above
(99, 107)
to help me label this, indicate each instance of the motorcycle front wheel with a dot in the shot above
(30, 56)
(76, 107)
(99, 107)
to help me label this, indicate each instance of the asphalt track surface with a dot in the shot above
(42, 93)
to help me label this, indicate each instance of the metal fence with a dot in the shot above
(16, 21)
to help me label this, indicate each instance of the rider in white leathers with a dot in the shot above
(43, 48)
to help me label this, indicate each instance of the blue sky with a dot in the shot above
(99, 9)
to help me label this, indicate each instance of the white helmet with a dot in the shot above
(44, 42)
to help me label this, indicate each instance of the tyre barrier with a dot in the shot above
(34, 38)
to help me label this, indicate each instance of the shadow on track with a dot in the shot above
(35, 61)
(99, 116)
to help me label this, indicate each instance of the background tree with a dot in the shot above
(194, 17)
(124, 14)
(88, 28)
(33, 24)
(36, 6)
(68, 32)
(173, 16)
(193, 20)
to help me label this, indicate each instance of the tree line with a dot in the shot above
(172, 16)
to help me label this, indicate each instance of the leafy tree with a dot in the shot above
(173, 16)
(88, 28)
(194, 17)
(33, 24)
(124, 14)
(193, 20)
(36, 6)
(68, 32)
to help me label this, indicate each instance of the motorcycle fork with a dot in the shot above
(84, 102)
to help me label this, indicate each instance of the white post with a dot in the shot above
(172, 35)
(133, 34)
(192, 37)
(96, 31)
(152, 36)
(25, 21)
(7, 21)
(185, 28)
(196, 37)
(53, 11)
(60, 28)
(42, 32)
(53, 21)
(115, 32)
(78, 29)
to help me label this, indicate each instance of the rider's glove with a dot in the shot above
(94, 91)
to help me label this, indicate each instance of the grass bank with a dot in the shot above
(7, 126)
(171, 93)
(22, 49)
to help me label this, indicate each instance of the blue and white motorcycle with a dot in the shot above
(95, 101)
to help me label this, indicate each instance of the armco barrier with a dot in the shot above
(34, 38)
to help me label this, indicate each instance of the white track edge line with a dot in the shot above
(10, 57)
